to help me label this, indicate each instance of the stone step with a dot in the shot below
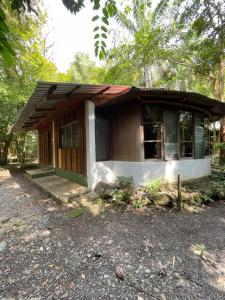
(60, 189)
(88, 202)
(37, 173)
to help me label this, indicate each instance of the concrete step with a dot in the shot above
(89, 203)
(37, 173)
(60, 189)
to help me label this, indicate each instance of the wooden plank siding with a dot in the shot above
(125, 132)
(45, 145)
(69, 159)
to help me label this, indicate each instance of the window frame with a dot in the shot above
(162, 131)
(64, 144)
(208, 140)
(161, 141)
(192, 133)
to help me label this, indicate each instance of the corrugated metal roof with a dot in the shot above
(48, 94)
(213, 108)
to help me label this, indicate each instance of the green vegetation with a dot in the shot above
(122, 193)
(75, 212)
(104, 10)
(177, 44)
(218, 184)
(154, 187)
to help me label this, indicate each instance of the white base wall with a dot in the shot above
(144, 171)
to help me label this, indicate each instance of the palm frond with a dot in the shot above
(160, 10)
(125, 22)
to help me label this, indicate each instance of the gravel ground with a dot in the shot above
(47, 254)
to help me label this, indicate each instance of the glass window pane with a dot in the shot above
(186, 126)
(62, 137)
(152, 150)
(152, 131)
(186, 149)
(151, 113)
(68, 137)
(75, 135)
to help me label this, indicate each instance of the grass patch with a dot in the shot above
(75, 213)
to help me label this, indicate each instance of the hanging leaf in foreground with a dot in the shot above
(106, 10)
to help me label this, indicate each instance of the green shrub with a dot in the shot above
(218, 175)
(154, 186)
(124, 182)
(121, 197)
(218, 183)
(218, 190)
(202, 198)
(138, 203)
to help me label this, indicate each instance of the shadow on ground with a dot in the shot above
(51, 254)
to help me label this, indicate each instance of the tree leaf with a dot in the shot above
(112, 9)
(96, 28)
(104, 36)
(103, 43)
(95, 18)
(105, 12)
(103, 28)
(96, 4)
(96, 36)
(103, 49)
(105, 20)
(101, 55)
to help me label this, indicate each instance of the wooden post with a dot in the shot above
(179, 197)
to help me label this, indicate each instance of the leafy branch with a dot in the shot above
(105, 11)
(101, 29)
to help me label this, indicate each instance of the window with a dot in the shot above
(101, 137)
(175, 133)
(171, 146)
(186, 134)
(152, 131)
(69, 136)
(208, 137)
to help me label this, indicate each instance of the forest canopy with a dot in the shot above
(177, 44)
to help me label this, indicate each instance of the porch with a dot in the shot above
(62, 190)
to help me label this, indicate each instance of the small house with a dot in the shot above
(91, 133)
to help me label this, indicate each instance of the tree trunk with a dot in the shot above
(6, 149)
(147, 77)
(221, 98)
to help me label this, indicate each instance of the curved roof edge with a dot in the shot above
(47, 95)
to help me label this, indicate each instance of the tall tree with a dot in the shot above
(84, 69)
(104, 11)
(18, 79)
(145, 26)
(202, 24)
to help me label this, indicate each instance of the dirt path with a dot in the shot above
(46, 254)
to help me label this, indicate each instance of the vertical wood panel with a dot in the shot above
(125, 132)
(68, 159)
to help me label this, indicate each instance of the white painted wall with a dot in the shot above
(90, 143)
(141, 172)
(144, 171)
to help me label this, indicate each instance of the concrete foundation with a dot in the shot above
(145, 171)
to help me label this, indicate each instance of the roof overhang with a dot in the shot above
(47, 95)
(212, 108)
